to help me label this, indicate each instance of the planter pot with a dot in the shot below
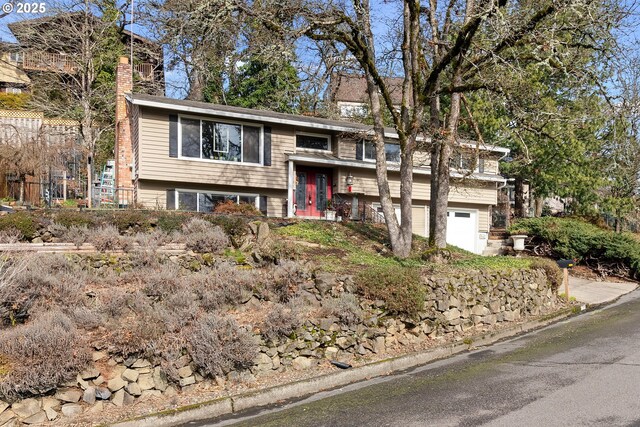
(518, 242)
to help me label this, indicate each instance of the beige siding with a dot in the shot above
(152, 195)
(365, 182)
(155, 163)
(347, 149)
(491, 166)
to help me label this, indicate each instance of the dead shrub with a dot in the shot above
(76, 234)
(40, 355)
(105, 238)
(285, 279)
(281, 321)
(10, 236)
(48, 280)
(148, 245)
(345, 308)
(218, 345)
(140, 327)
(224, 284)
(200, 236)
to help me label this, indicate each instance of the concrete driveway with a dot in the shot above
(594, 293)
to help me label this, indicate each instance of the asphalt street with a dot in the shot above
(582, 371)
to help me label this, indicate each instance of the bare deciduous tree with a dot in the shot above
(444, 50)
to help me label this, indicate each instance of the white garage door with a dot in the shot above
(462, 229)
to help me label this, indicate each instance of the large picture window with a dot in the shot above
(206, 139)
(206, 202)
(392, 151)
(313, 142)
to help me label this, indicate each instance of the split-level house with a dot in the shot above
(178, 154)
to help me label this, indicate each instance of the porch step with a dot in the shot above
(498, 234)
(496, 247)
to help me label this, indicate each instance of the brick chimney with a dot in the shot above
(123, 148)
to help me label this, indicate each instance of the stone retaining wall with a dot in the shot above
(458, 304)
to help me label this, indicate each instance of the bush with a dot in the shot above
(10, 235)
(551, 270)
(399, 287)
(345, 307)
(21, 222)
(39, 356)
(218, 345)
(285, 279)
(123, 220)
(281, 321)
(76, 234)
(571, 238)
(170, 222)
(74, 219)
(231, 208)
(224, 284)
(106, 238)
(233, 226)
(201, 236)
(48, 280)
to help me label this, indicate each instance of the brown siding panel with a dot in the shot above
(155, 163)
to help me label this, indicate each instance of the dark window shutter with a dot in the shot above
(481, 165)
(171, 200)
(262, 202)
(173, 135)
(360, 150)
(267, 145)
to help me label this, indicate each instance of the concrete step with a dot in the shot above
(492, 251)
(498, 243)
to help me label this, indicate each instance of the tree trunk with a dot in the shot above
(519, 208)
(539, 206)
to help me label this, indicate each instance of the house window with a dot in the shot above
(207, 202)
(206, 139)
(392, 151)
(14, 90)
(463, 162)
(313, 142)
(15, 57)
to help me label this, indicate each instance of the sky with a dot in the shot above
(382, 11)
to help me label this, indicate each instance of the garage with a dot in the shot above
(462, 229)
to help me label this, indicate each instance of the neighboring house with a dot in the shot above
(348, 94)
(18, 61)
(190, 155)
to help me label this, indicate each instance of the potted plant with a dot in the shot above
(330, 213)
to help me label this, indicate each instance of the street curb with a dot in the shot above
(299, 389)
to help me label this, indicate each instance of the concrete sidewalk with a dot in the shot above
(594, 293)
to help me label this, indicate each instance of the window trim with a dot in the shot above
(216, 120)
(317, 135)
(364, 153)
(177, 192)
(458, 166)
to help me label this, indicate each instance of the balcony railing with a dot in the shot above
(144, 71)
(44, 61)
(62, 63)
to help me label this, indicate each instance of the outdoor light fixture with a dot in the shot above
(349, 180)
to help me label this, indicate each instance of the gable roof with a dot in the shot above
(266, 116)
(353, 88)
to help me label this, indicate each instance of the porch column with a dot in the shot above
(290, 185)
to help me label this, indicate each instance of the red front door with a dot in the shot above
(313, 191)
